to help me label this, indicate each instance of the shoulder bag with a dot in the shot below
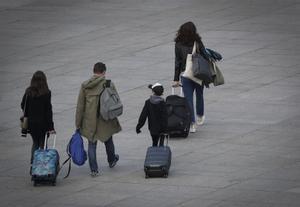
(201, 67)
(218, 78)
(188, 72)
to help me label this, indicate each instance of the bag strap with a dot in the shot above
(105, 85)
(68, 159)
(69, 169)
(194, 48)
(25, 104)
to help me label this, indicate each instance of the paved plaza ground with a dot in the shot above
(247, 154)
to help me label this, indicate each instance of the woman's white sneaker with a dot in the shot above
(200, 120)
(193, 128)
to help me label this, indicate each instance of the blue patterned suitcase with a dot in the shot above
(45, 165)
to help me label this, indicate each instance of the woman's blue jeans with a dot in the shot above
(110, 152)
(188, 87)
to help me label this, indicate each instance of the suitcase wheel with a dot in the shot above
(166, 175)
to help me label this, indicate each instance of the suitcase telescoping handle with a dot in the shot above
(46, 140)
(181, 91)
(167, 137)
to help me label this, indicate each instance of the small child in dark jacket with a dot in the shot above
(155, 110)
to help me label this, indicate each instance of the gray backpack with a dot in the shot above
(110, 105)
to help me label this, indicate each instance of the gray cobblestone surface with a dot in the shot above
(247, 153)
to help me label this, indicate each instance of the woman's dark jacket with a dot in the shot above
(39, 111)
(181, 52)
(155, 110)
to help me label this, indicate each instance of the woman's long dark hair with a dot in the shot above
(38, 85)
(187, 34)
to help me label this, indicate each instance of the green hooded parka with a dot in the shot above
(92, 127)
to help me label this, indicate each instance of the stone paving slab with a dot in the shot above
(246, 154)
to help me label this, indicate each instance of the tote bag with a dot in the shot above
(202, 68)
(188, 72)
(219, 78)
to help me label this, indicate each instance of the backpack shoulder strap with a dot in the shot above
(107, 83)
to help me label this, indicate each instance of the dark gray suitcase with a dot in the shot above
(158, 161)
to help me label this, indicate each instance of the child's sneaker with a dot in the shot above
(200, 120)
(113, 163)
(95, 173)
(193, 128)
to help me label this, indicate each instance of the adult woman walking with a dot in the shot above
(37, 107)
(184, 41)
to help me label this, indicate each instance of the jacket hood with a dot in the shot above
(156, 99)
(93, 82)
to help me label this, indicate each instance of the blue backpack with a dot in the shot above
(75, 150)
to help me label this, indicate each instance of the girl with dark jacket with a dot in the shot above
(155, 110)
(184, 41)
(36, 104)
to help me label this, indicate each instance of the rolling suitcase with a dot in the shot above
(158, 160)
(179, 115)
(45, 165)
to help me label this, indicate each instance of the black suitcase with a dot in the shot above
(179, 116)
(158, 161)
